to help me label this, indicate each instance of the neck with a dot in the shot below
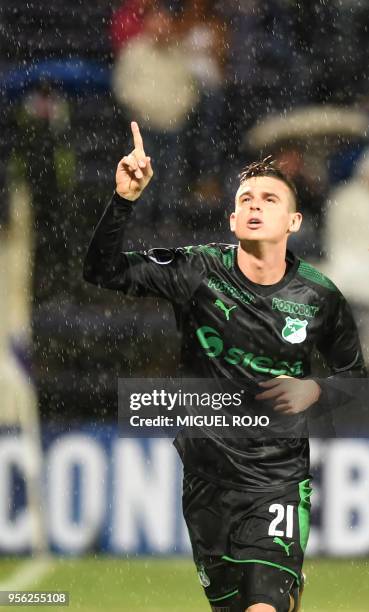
(264, 264)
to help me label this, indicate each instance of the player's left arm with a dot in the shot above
(340, 346)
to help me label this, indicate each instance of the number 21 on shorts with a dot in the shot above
(282, 513)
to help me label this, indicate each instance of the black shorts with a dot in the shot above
(246, 533)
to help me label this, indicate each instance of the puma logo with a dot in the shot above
(224, 308)
(286, 547)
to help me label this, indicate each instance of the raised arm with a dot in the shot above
(170, 273)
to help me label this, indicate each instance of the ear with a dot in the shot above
(232, 222)
(295, 223)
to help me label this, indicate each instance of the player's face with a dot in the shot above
(264, 211)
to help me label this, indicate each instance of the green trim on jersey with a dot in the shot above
(303, 511)
(223, 596)
(226, 257)
(282, 567)
(133, 255)
(311, 273)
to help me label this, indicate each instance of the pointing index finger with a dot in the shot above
(137, 138)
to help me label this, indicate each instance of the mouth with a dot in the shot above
(254, 223)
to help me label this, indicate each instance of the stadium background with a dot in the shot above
(80, 509)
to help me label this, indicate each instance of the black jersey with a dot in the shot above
(231, 328)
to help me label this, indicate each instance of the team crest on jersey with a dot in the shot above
(203, 577)
(295, 330)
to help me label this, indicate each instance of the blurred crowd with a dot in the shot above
(198, 74)
(201, 77)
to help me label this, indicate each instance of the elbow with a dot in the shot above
(96, 276)
(89, 274)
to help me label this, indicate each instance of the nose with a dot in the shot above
(254, 205)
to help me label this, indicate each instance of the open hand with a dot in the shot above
(290, 395)
(134, 171)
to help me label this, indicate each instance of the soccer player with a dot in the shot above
(253, 311)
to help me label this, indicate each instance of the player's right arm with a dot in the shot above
(170, 273)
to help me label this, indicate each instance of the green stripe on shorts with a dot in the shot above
(303, 510)
(223, 596)
(281, 567)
